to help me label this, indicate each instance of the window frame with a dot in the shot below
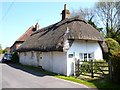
(85, 56)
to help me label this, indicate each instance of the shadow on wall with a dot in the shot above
(37, 71)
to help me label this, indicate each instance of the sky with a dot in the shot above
(17, 17)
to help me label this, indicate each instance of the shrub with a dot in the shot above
(15, 57)
(97, 65)
(85, 67)
(113, 46)
(115, 59)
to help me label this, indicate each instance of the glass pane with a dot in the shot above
(81, 56)
(90, 55)
(70, 55)
(85, 56)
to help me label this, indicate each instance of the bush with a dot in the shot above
(15, 57)
(85, 67)
(115, 60)
(113, 46)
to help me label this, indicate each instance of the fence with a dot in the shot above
(91, 68)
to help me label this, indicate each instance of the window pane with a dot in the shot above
(85, 56)
(70, 55)
(81, 56)
(90, 55)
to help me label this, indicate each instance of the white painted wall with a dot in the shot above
(55, 62)
(28, 59)
(59, 62)
(81, 46)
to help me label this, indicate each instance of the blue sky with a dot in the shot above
(17, 17)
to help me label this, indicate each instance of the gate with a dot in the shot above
(91, 68)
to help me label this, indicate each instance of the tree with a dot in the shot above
(0, 49)
(88, 15)
(108, 13)
(85, 13)
(94, 25)
(3, 51)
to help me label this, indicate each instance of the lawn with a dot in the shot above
(92, 83)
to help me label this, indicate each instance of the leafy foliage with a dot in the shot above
(115, 59)
(113, 46)
(108, 13)
(97, 66)
(85, 67)
(15, 57)
(93, 24)
(3, 51)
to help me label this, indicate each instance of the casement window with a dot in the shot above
(86, 56)
(70, 55)
(81, 56)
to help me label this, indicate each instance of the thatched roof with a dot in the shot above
(52, 38)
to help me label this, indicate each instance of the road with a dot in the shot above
(1, 56)
(14, 77)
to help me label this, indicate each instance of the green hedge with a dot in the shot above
(116, 67)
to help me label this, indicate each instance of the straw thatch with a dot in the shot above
(52, 38)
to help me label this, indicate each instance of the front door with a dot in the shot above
(40, 59)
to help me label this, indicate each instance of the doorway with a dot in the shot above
(40, 59)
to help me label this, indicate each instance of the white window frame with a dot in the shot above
(82, 58)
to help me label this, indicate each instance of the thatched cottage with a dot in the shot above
(55, 47)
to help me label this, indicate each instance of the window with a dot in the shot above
(90, 56)
(81, 56)
(70, 55)
(86, 56)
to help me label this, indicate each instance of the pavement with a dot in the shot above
(16, 77)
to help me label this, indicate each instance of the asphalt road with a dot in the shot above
(1, 56)
(13, 77)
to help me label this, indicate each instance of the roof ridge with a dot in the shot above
(77, 18)
(24, 33)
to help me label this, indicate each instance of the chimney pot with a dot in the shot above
(37, 26)
(65, 13)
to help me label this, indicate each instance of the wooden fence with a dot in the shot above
(91, 68)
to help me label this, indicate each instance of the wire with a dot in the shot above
(7, 10)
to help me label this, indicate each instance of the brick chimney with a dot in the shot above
(37, 26)
(65, 13)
